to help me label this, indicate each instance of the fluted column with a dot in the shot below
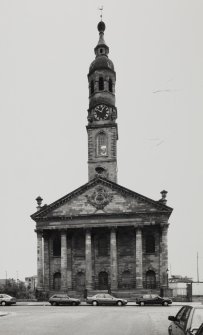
(113, 259)
(139, 276)
(164, 257)
(46, 262)
(39, 262)
(88, 259)
(63, 260)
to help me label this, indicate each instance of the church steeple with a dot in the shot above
(102, 113)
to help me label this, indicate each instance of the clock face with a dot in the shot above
(101, 112)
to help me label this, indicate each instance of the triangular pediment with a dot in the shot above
(100, 196)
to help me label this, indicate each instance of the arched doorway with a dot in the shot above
(80, 281)
(150, 279)
(103, 280)
(57, 281)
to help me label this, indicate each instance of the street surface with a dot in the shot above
(85, 320)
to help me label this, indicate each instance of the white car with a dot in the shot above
(6, 299)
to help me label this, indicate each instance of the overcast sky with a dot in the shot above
(46, 47)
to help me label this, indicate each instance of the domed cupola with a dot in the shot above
(101, 74)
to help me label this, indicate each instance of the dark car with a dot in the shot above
(105, 299)
(63, 299)
(188, 321)
(200, 330)
(6, 299)
(153, 299)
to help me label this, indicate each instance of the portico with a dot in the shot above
(105, 258)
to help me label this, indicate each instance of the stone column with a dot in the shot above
(69, 262)
(139, 277)
(63, 260)
(164, 257)
(88, 259)
(113, 260)
(39, 262)
(46, 262)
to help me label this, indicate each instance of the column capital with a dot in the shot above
(164, 226)
(88, 230)
(39, 231)
(63, 231)
(138, 227)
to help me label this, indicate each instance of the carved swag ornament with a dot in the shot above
(99, 198)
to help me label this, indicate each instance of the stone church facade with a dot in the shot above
(102, 236)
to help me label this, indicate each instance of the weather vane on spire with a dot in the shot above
(101, 11)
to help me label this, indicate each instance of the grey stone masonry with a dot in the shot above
(139, 275)
(39, 261)
(46, 262)
(63, 260)
(164, 257)
(113, 259)
(88, 259)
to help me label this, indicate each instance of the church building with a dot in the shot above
(102, 236)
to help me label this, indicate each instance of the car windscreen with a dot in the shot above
(197, 319)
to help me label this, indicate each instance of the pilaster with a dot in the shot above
(46, 262)
(164, 257)
(39, 261)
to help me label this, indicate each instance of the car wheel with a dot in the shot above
(73, 303)
(119, 303)
(165, 303)
(54, 303)
(3, 303)
(142, 303)
(95, 303)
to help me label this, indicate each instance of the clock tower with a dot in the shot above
(102, 114)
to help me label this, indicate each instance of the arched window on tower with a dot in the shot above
(101, 84)
(101, 142)
(92, 87)
(110, 85)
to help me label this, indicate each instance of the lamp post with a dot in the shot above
(167, 277)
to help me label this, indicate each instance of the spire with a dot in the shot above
(101, 49)
(101, 28)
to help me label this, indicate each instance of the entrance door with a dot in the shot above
(57, 281)
(103, 280)
(150, 279)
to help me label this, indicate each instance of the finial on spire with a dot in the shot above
(101, 13)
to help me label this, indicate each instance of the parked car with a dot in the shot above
(63, 299)
(105, 299)
(200, 330)
(153, 299)
(187, 321)
(6, 299)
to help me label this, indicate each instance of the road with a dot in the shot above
(85, 320)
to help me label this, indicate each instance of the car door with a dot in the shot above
(100, 298)
(154, 300)
(65, 300)
(180, 325)
(109, 300)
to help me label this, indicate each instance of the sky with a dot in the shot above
(46, 47)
